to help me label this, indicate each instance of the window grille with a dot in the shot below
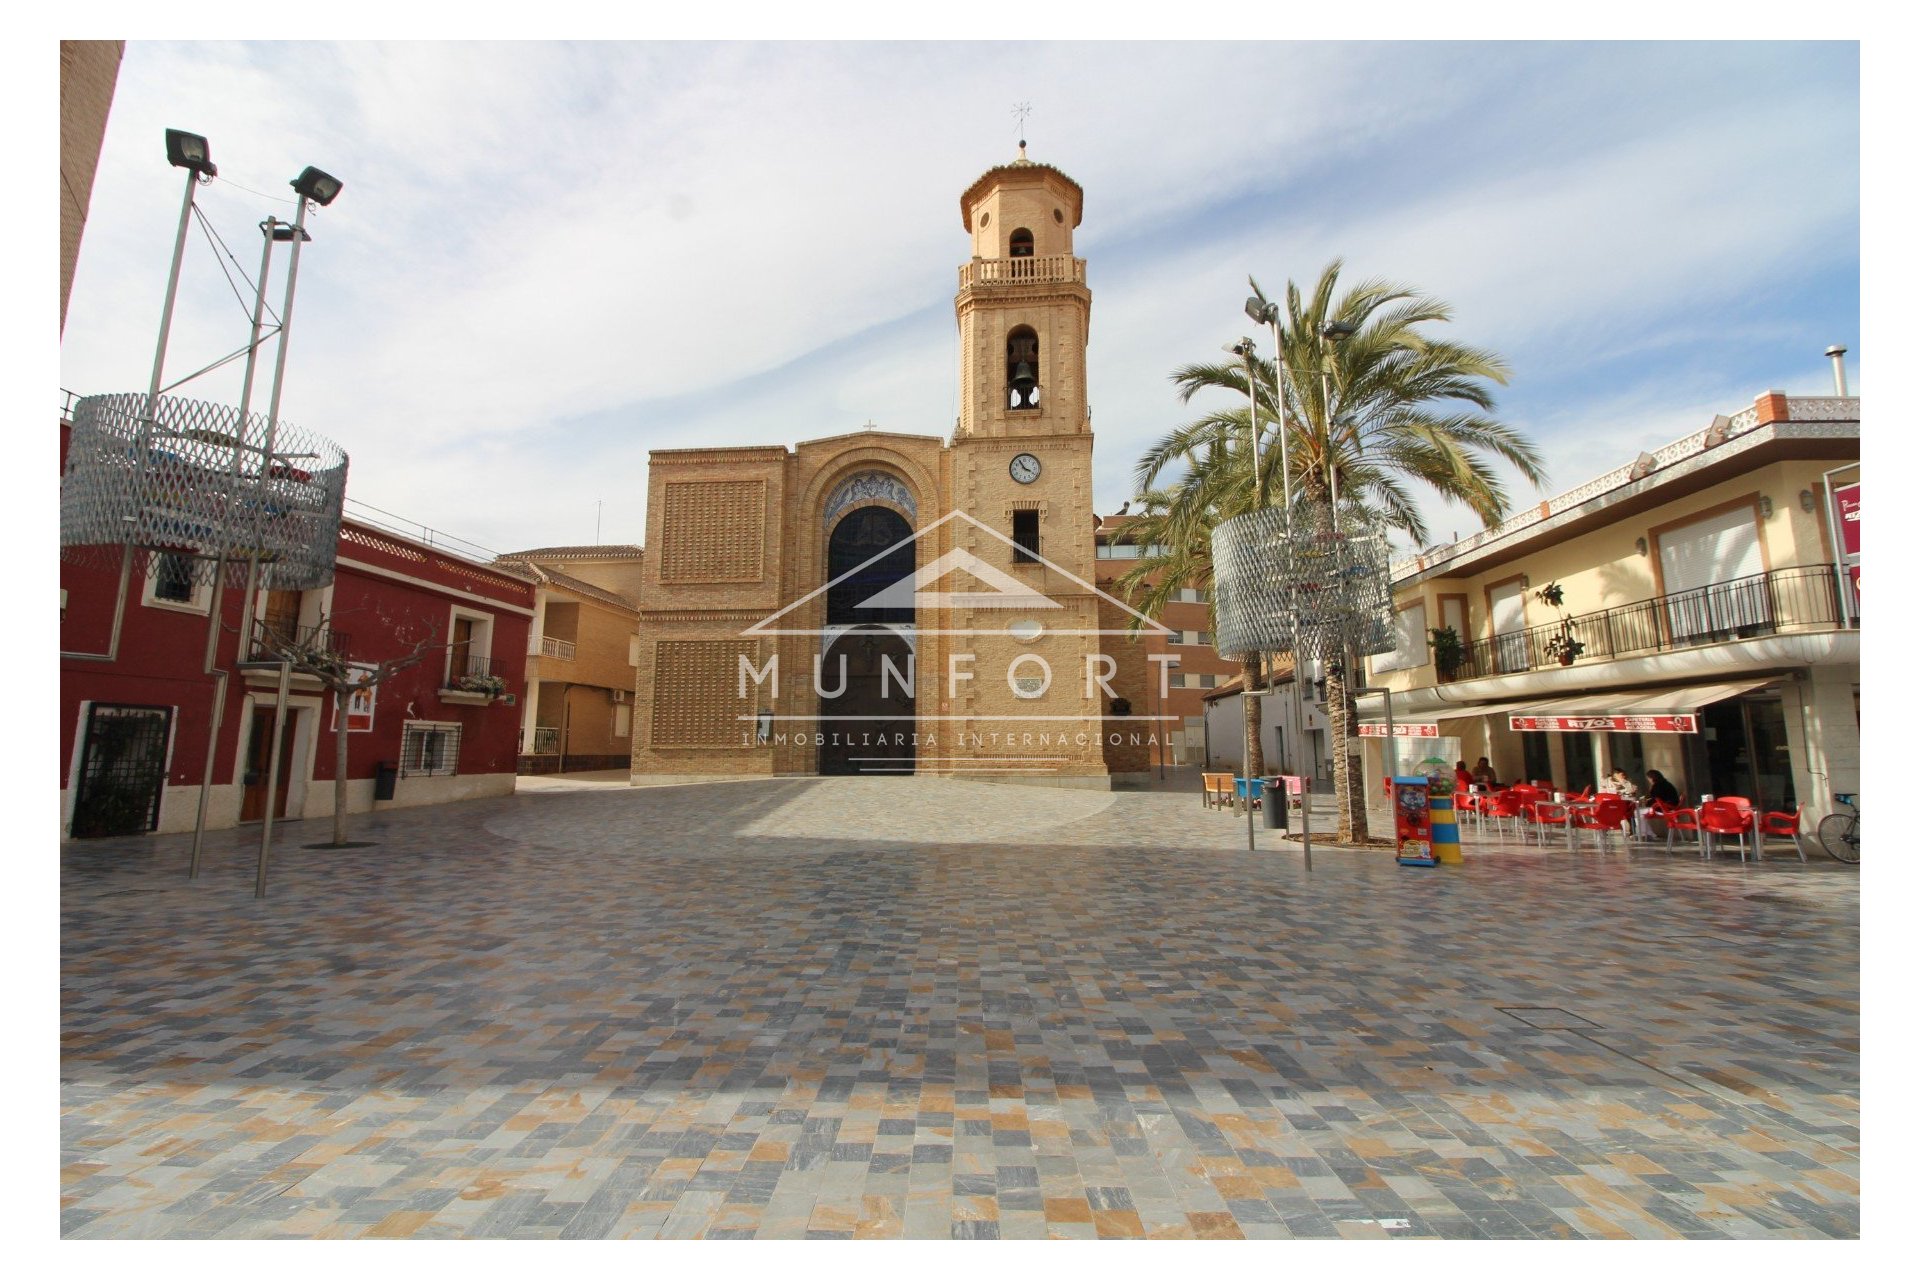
(430, 748)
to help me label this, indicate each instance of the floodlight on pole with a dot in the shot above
(317, 185)
(189, 151)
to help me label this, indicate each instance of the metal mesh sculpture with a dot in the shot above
(199, 481)
(1315, 590)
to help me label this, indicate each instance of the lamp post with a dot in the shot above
(1268, 313)
(319, 188)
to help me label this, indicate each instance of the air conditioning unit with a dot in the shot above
(619, 695)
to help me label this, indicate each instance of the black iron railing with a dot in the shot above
(1802, 598)
(470, 673)
(269, 642)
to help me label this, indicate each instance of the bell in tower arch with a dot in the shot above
(1023, 371)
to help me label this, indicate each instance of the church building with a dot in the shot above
(891, 603)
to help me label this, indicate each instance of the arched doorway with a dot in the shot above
(866, 675)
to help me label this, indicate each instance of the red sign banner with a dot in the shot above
(1400, 730)
(1846, 503)
(1604, 724)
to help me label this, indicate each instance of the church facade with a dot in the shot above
(889, 603)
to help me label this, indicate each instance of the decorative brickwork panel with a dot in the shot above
(696, 693)
(713, 531)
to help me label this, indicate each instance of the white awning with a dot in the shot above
(1671, 710)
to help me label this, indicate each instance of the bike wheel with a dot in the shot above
(1840, 836)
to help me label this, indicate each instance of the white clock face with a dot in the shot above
(1025, 468)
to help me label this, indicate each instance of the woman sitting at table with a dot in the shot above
(1660, 791)
(1462, 780)
(1483, 774)
(1619, 784)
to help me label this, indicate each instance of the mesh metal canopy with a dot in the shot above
(197, 480)
(1313, 591)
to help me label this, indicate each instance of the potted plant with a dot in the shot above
(492, 686)
(1563, 647)
(1447, 651)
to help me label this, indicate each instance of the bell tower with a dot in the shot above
(1022, 468)
(1023, 305)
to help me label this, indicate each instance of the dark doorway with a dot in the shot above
(866, 675)
(868, 727)
(1536, 757)
(1743, 750)
(123, 770)
(253, 795)
(1578, 749)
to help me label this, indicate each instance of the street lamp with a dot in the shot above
(189, 151)
(317, 185)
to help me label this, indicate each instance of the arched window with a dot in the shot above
(1020, 249)
(1023, 369)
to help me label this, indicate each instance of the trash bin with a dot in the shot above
(1273, 807)
(384, 775)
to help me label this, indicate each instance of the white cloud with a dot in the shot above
(550, 258)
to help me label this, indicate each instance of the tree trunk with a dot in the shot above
(340, 697)
(1349, 785)
(1250, 706)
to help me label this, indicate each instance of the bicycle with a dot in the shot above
(1840, 832)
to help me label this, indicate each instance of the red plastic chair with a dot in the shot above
(1647, 813)
(1722, 818)
(1583, 795)
(1608, 813)
(1550, 813)
(1683, 820)
(1502, 806)
(1465, 802)
(1781, 824)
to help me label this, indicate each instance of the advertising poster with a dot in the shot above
(360, 703)
(1846, 501)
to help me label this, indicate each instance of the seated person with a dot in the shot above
(1462, 780)
(1483, 774)
(1619, 784)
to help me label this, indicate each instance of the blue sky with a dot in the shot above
(550, 258)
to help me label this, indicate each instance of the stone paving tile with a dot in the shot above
(885, 1008)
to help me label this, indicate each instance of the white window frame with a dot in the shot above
(480, 646)
(413, 739)
(199, 600)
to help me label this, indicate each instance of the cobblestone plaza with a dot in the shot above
(865, 1007)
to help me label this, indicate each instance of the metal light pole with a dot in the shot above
(1268, 313)
(320, 188)
(184, 151)
(270, 233)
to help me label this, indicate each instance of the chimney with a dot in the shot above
(1838, 354)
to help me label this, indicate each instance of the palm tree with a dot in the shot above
(1365, 419)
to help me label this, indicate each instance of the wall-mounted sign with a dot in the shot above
(360, 703)
(1604, 724)
(1400, 730)
(1846, 501)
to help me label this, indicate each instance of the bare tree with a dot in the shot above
(323, 653)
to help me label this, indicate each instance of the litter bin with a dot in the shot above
(1273, 807)
(384, 775)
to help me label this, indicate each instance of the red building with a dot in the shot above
(134, 725)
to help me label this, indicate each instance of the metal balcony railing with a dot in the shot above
(546, 740)
(472, 673)
(267, 642)
(1054, 269)
(1801, 598)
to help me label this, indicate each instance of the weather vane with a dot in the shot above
(1021, 110)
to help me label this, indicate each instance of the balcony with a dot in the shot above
(1057, 269)
(1798, 599)
(551, 647)
(268, 640)
(546, 740)
(470, 679)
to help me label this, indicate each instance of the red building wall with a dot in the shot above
(389, 592)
